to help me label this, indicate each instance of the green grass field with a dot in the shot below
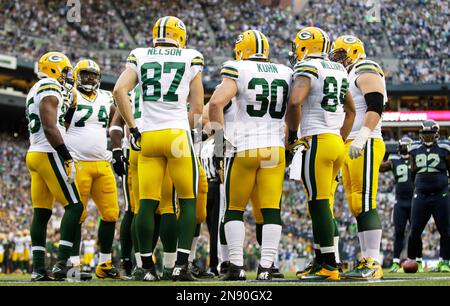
(419, 279)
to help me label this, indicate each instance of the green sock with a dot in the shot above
(198, 227)
(156, 231)
(368, 221)
(69, 224)
(223, 239)
(106, 236)
(76, 242)
(168, 232)
(336, 228)
(186, 228)
(323, 224)
(145, 225)
(39, 236)
(259, 228)
(134, 237)
(126, 243)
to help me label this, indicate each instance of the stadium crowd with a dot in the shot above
(296, 244)
(416, 35)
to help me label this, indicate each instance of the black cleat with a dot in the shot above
(200, 273)
(224, 266)
(264, 274)
(41, 276)
(138, 274)
(150, 275)
(167, 274)
(62, 271)
(276, 273)
(182, 273)
(234, 273)
(126, 267)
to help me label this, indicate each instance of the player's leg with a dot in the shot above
(42, 201)
(104, 194)
(168, 226)
(420, 214)
(269, 186)
(334, 186)
(151, 168)
(400, 220)
(239, 182)
(183, 169)
(126, 241)
(212, 221)
(441, 216)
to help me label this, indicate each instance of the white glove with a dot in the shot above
(359, 143)
(71, 171)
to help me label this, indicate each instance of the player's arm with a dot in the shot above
(386, 166)
(447, 161)
(119, 160)
(126, 83)
(371, 86)
(299, 92)
(48, 112)
(196, 99)
(350, 114)
(412, 162)
(73, 99)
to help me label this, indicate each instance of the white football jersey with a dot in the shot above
(261, 101)
(19, 244)
(44, 88)
(360, 102)
(323, 109)
(164, 76)
(89, 246)
(87, 134)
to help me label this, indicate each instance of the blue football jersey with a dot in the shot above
(404, 188)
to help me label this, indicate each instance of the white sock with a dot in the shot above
(104, 258)
(169, 260)
(397, 260)
(75, 261)
(336, 249)
(193, 249)
(418, 259)
(224, 256)
(372, 240)
(138, 260)
(235, 235)
(362, 244)
(271, 235)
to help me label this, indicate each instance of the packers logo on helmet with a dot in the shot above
(169, 30)
(310, 41)
(87, 75)
(347, 50)
(252, 44)
(54, 65)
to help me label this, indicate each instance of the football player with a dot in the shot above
(52, 167)
(169, 76)
(261, 91)
(430, 165)
(365, 149)
(404, 189)
(320, 104)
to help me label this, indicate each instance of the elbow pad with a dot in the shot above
(374, 101)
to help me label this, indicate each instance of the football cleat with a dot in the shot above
(395, 268)
(368, 269)
(444, 268)
(234, 273)
(312, 268)
(150, 275)
(224, 266)
(326, 272)
(200, 273)
(276, 272)
(138, 274)
(182, 273)
(167, 274)
(126, 268)
(41, 276)
(264, 274)
(107, 270)
(62, 271)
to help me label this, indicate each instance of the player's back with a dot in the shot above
(165, 75)
(260, 104)
(43, 88)
(322, 111)
(364, 66)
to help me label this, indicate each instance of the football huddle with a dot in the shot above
(319, 122)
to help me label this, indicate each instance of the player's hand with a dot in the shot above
(119, 161)
(358, 144)
(135, 139)
(299, 144)
(71, 171)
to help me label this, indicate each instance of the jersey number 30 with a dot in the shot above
(263, 97)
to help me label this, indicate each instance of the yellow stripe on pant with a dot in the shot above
(259, 169)
(360, 176)
(321, 164)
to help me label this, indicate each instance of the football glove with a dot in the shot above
(135, 139)
(358, 144)
(299, 144)
(71, 171)
(119, 161)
